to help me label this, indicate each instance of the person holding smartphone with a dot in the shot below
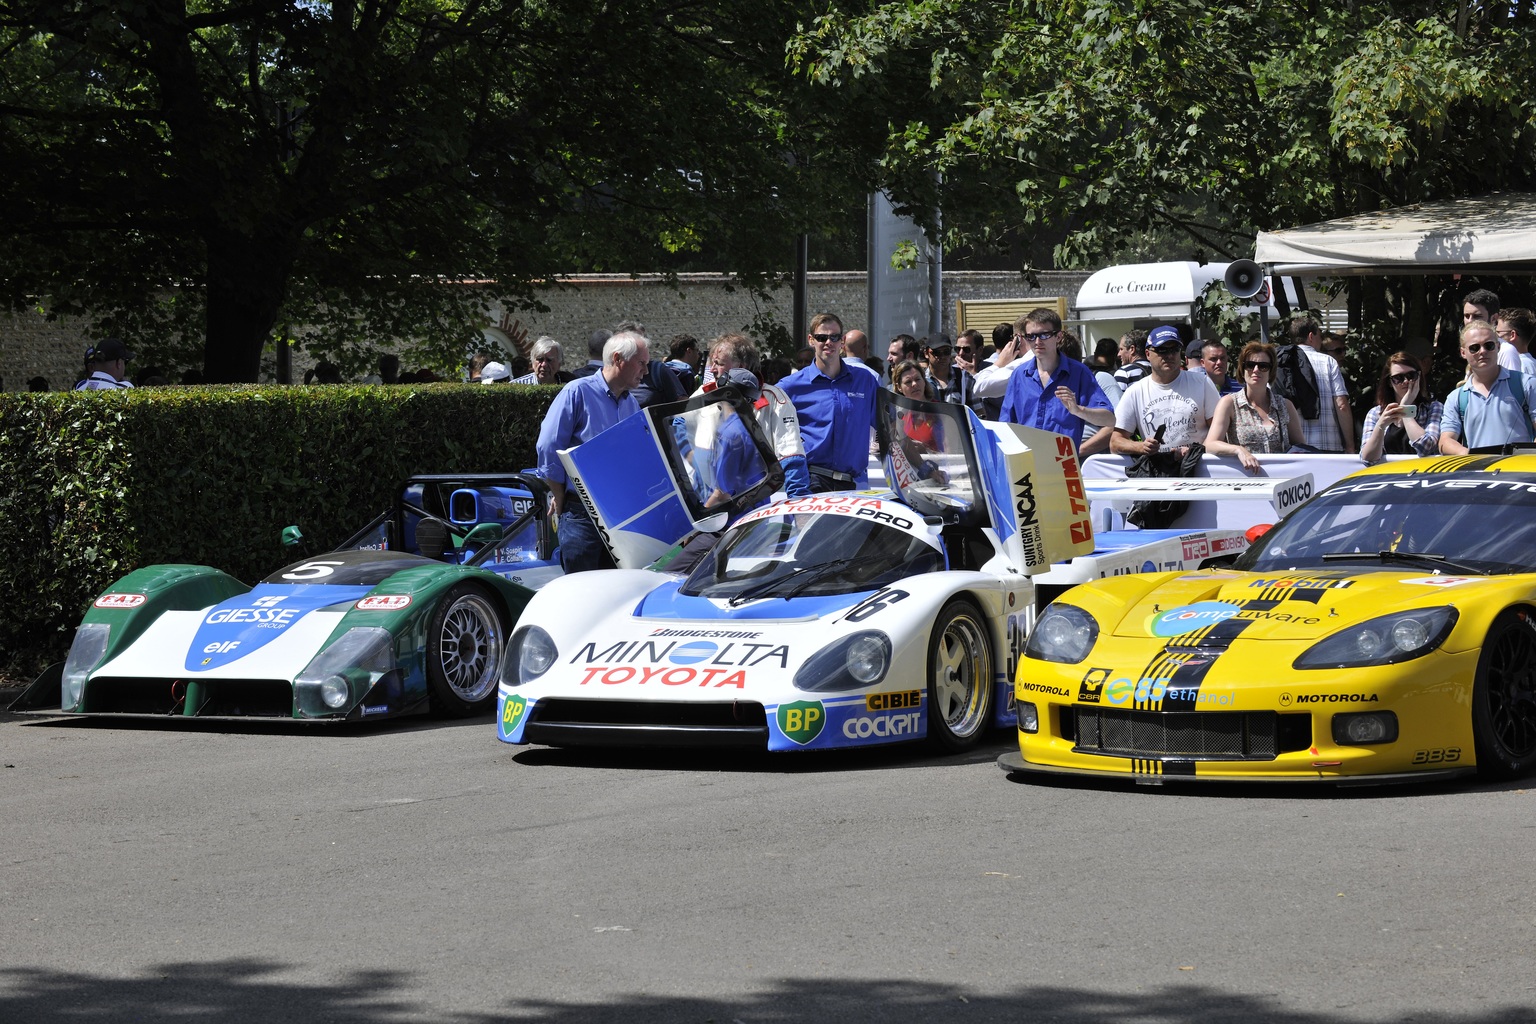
(1404, 420)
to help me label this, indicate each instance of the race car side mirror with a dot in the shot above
(292, 536)
(1255, 532)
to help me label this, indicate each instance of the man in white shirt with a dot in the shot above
(1170, 409)
(1517, 326)
(1333, 430)
(1484, 305)
(106, 367)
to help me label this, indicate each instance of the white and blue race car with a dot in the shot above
(837, 620)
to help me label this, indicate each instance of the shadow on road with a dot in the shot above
(252, 992)
(883, 758)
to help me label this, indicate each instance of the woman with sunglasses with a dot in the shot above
(1256, 419)
(1401, 423)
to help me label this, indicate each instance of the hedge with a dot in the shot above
(101, 483)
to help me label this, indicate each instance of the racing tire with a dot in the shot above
(1504, 696)
(959, 677)
(466, 644)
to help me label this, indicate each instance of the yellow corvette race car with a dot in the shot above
(1383, 631)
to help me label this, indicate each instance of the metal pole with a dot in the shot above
(802, 266)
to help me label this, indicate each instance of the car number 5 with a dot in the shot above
(311, 570)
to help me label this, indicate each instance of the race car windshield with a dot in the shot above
(927, 461)
(807, 555)
(1482, 523)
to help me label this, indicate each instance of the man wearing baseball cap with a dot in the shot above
(1169, 410)
(106, 367)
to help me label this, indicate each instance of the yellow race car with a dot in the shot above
(1385, 631)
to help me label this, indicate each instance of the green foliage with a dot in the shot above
(1116, 126)
(216, 176)
(106, 482)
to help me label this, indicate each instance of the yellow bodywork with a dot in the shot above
(1240, 708)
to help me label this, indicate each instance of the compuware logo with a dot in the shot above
(1189, 617)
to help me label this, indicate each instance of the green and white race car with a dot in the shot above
(411, 615)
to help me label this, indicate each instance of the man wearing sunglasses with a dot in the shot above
(1516, 326)
(950, 382)
(1493, 407)
(1333, 429)
(1056, 392)
(1171, 409)
(835, 401)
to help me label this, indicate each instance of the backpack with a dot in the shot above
(1295, 380)
(1516, 384)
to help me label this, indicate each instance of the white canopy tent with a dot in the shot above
(1492, 234)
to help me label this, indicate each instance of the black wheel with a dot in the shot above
(959, 677)
(1504, 696)
(466, 642)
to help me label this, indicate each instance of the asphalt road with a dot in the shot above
(425, 872)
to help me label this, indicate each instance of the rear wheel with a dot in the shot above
(959, 677)
(466, 642)
(1504, 696)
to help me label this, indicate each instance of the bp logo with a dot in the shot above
(1189, 617)
(511, 713)
(801, 721)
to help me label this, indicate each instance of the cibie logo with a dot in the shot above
(1189, 617)
(801, 722)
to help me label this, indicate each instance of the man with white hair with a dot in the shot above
(546, 357)
(583, 409)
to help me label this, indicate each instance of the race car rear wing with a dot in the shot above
(1283, 495)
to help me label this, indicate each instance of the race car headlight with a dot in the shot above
(533, 652)
(89, 647)
(855, 661)
(1384, 640)
(1064, 634)
(338, 676)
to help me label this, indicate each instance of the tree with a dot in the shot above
(268, 163)
(1106, 119)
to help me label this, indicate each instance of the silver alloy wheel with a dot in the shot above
(471, 646)
(962, 675)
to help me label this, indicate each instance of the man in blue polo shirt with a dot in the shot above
(1493, 406)
(1058, 392)
(583, 409)
(835, 401)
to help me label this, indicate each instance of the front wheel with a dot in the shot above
(959, 677)
(466, 642)
(1504, 696)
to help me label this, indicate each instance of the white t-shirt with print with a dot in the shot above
(1185, 406)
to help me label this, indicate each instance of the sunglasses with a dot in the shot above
(829, 337)
(964, 350)
(1250, 364)
(1487, 346)
(1336, 351)
(1406, 377)
(945, 351)
(1039, 335)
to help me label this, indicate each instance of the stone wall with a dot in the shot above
(701, 304)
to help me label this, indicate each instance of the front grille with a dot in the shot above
(1199, 735)
(223, 698)
(574, 722)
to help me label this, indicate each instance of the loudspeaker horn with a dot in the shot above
(1245, 278)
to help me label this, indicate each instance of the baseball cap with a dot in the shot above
(1194, 349)
(107, 350)
(1164, 337)
(745, 381)
(494, 373)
